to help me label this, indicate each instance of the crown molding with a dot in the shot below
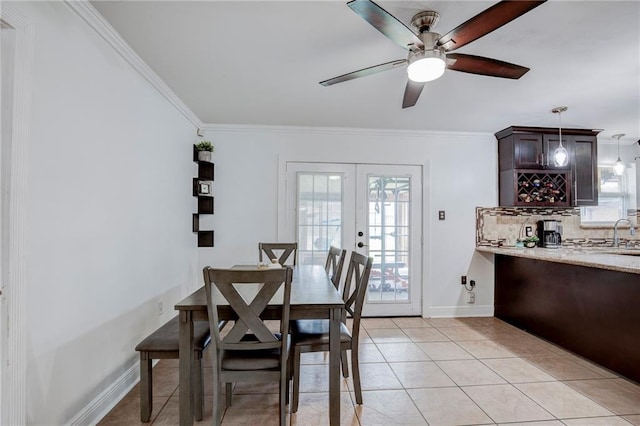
(95, 20)
(231, 128)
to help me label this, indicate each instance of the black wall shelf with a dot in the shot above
(202, 190)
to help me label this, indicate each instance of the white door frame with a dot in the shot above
(413, 306)
(283, 230)
(13, 367)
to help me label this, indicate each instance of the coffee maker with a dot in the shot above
(550, 233)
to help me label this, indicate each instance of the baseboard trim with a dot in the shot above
(460, 311)
(106, 400)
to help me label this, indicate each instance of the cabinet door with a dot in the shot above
(585, 170)
(551, 142)
(528, 151)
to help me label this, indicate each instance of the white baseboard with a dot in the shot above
(459, 311)
(103, 403)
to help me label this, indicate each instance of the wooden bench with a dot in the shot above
(163, 344)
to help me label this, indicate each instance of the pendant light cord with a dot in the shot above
(619, 166)
(618, 136)
(560, 154)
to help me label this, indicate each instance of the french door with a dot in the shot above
(373, 209)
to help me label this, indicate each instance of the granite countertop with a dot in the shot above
(612, 258)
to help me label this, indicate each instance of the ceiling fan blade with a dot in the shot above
(386, 23)
(485, 22)
(411, 93)
(364, 72)
(485, 66)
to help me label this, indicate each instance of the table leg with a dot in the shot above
(334, 366)
(186, 366)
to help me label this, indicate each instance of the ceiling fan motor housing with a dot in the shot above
(425, 21)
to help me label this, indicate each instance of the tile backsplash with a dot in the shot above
(503, 226)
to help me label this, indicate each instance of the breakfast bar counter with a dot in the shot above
(584, 299)
(611, 258)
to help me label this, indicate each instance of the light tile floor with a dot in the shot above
(445, 371)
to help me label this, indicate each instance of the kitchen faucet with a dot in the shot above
(616, 238)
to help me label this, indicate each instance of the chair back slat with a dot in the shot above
(334, 264)
(285, 250)
(357, 277)
(247, 318)
(229, 283)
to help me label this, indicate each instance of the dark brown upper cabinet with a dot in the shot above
(521, 151)
(531, 148)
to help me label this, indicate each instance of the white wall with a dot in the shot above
(460, 174)
(109, 213)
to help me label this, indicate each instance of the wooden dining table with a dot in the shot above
(313, 296)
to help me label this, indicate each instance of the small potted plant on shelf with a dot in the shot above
(531, 241)
(205, 149)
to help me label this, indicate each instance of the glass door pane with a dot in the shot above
(319, 215)
(388, 228)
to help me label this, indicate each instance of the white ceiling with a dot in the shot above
(242, 62)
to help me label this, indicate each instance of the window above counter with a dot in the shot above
(617, 198)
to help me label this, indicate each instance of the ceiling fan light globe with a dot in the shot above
(560, 156)
(618, 169)
(426, 65)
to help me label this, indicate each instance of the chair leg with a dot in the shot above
(229, 392)
(355, 365)
(289, 370)
(284, 384)
(216, 410)
(198, 387)
(345, 364)
(296, 379)
(146, 379)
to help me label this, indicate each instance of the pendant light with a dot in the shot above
(619, 167)
(560, 155)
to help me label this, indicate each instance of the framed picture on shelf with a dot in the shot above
(204, 187)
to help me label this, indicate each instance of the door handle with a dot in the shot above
(361, 244)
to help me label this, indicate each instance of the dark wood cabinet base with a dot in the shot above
(592, 312)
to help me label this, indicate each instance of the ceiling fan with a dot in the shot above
(428, 51)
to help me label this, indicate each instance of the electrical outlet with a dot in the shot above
(528, 231)
(440, 214)
(160, 308)
(463, 280)
(471, 297)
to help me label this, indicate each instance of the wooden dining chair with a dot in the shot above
(280, 251)
(249, 351)
(334, 264)
(313, 335)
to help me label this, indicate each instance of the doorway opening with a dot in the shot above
(374, 209)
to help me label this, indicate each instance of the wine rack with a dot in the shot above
(538, 187)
